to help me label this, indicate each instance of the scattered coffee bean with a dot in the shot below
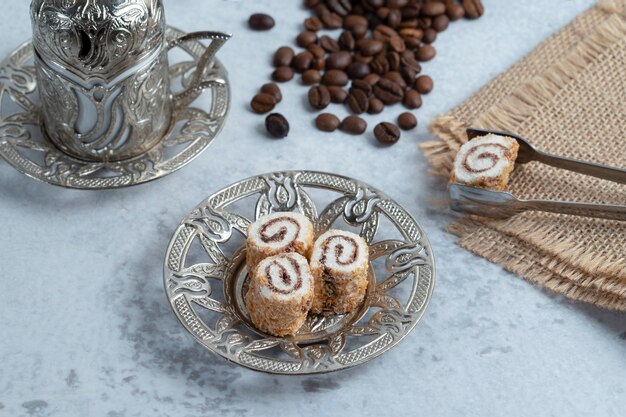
(331, 20)
(273, 90)
(282, 74)
(473, 8)
(387, 133)
(357, 70)
(454, 10)
(407, 121)
(339, 60)
(346, 41)
(379, 49)
(306, 38)
(412, 99)
(337, 94)
(376, 106)
(310, 77)
(260, 21)
(283, 56)
(388, 92)
(335, 77)
(329, 44)
(441, 23)
(263, 103)
(277, 126)
(369, 47)
(354, 125)
(302, 61)
(424, 84)
(313, 24)
(425, 53)
(433, 8)
(358, 101)
(327, 122)
(430, 35)
(319, 97)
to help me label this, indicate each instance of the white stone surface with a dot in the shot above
(85, 329)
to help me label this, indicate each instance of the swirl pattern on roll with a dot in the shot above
(490, 156)
(284, 274)
(339, 249)
(278, 230)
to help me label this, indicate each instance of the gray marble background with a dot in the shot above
(85, 329)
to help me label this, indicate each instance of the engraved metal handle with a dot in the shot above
(198, 84)
(600, 211)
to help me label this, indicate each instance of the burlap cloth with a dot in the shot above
(568, 97)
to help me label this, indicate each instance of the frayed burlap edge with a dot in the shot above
(568, 268)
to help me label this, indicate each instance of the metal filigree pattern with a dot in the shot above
(190, 132)
(395, 300)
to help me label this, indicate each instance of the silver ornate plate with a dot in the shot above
(24, 146)
(205, 274)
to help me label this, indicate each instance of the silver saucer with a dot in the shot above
(205, 275)
(24, 146)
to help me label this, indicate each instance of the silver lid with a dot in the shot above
(97, 38)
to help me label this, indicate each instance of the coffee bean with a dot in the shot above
(317, 51)
(283, 56)
(331, 20)
(441, 23)
(432, 8)
(363, 86)
(263, 103)
(339, 60)
(306, 38)
(277, 126)
(394, 18)
(353, 125)
(357, 70)
(311, 3)
(411, 33)
(346, 41)
(369, 47)
(454, 10)
(310, 77)
(396, 78)
(473, 8)
(260, 21)
(313, 24)
(371, 79)
(407, 121)
(273, 90)
(388, 91)
(380, 64)
(353, 20)
(408, 60)
(358, 101)
(367, 60)
(408, 75)
(412, 99)
(341, 7)
(282, 74)
(376, 106)
(425, 22)
(387, 133)
(335, 77)
(430, 35)
(303, 61)
(327, 122)
(329, 44)
(319, 97)
(396, 43)
(424, 84)
(393, 58)
(385, 31)
(337, 94)
(359, 31)
(425, 53)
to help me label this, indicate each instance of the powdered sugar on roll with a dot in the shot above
(486, 161)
